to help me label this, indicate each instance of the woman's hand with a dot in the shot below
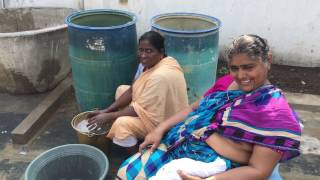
(99, 119)
(186, 176)
(153, 139)
(94, 113)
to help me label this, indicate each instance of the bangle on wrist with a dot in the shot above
(210, 178)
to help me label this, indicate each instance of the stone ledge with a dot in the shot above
(40, 115)
(303, 99)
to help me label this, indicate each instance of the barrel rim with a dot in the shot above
(34, 32)
(176, 14)
(61, 147)
(89, 134)
(81, 13)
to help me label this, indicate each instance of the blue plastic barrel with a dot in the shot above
(103, 53)
(193, 40)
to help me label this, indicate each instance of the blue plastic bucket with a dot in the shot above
(71, 161)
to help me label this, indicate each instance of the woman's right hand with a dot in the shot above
(152, 139)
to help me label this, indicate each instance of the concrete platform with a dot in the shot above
(40, 114)
(57, 131)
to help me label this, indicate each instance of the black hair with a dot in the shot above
(155, 39)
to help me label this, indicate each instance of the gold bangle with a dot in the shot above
(210, 178)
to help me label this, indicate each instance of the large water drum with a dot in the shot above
(102, 49)
(193, 40)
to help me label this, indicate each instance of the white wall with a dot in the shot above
(76, 4)
(292, 27)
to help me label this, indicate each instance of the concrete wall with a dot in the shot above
(291, 26)
(76, 4)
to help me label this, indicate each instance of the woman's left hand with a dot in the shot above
(186, 176)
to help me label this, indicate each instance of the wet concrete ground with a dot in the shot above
(14, 159)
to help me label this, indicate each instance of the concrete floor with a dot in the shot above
(14, 159)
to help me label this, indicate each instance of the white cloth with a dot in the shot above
(139, 71)
(191, 167)
(83, 126)
(127, 142)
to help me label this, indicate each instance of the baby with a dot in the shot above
(191, 167)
